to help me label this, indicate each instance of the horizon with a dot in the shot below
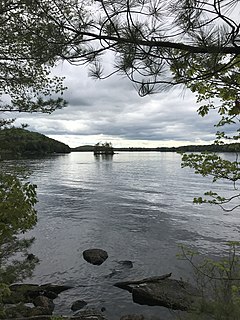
(129, 144)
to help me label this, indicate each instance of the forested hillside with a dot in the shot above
(17, 142)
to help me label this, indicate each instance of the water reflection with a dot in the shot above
(103, 157)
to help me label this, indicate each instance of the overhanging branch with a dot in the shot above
(163, 44)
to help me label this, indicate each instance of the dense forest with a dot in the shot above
(18, 142)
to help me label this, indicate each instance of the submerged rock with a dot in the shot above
(89, 314)
(126, 263)
(162, 291)
(77, 305)
(95, 256)
(122, 266)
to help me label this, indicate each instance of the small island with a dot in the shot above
(103, 148)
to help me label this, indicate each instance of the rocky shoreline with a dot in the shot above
(34, 301)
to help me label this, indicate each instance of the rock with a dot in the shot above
(132, 317)
(54, 288)
(32, 258)
(51, 295)
(22, 293)
(113, 273)
(162, 291)
(77, 305)
(95, 256)
(126, 263)
(129, 285)
(18, 311)
(89, 314)
(22, 311)
(40, 311)
(46, 303)
(122, 266)
(28, 292)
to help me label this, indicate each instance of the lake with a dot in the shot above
(136, 206)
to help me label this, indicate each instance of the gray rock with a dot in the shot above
(46, 303)
(126, 263)
(28, 292)
(49, 287)
(77, 305)
(51, 295)
(162, 291)
(95, 256)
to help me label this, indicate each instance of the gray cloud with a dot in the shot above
(112, 109)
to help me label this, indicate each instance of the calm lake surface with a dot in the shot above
(136, 206)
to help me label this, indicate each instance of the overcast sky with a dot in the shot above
(111, 110)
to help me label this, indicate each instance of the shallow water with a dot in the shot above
(136, 206)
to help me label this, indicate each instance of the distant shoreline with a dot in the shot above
(232, 147)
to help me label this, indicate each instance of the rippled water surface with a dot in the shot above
(136, 206)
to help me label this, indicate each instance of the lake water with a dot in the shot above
(136, 206)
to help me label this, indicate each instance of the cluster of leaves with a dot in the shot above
(17, 215)
(218, 282)
(154, 43)
(26, 58)
(17, 200)
(210, 164)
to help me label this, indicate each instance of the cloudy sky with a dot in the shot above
(111, 110)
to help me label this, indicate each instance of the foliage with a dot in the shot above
(215, 165)
(17, 200)
(218, 282)
(16, 142)
(26, 83)
(103, 148)
(210, 164)
(154, 43)
(17, 215)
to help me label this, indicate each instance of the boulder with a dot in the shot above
(95, 256)
(77, 305)
(162, 291)
(44, 302)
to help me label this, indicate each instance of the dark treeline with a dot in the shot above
(18, 142)
(232, 147)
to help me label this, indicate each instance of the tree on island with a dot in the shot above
(105, 148)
